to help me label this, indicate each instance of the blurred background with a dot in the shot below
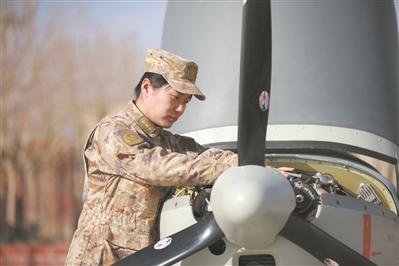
(64, 65)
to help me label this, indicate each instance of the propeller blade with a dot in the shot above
(182, 244)
(255, 79)
(320, 244)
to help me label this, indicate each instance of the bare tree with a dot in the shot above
(57, 80)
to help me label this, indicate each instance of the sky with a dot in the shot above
(144, 18)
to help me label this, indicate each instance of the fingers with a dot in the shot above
(284, 173)
(286, 169)
(283, 170)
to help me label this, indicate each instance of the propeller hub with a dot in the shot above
(251, 204)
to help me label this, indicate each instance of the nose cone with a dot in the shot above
(251, 204)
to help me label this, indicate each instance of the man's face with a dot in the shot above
(166, 105)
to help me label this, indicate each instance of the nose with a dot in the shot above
(180, 108)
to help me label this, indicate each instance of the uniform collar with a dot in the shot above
(146, 125)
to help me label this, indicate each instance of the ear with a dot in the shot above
(145, 86)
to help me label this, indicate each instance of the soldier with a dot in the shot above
(132, 164)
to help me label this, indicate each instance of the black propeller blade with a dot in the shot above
(320, 244)
(181, 245)
(255, 78)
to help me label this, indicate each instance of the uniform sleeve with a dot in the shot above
(134, 158)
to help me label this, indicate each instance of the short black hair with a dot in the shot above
(156, 81)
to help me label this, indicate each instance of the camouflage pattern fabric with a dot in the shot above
(132, 166)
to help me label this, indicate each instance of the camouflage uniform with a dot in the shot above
(131, 168)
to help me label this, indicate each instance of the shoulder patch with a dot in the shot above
(131, 137)
(146, 125)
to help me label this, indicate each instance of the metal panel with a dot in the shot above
(335, 63)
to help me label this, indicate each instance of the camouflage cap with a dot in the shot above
(180, 73)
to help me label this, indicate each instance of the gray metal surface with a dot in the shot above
(208, 33)
(335, 63)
